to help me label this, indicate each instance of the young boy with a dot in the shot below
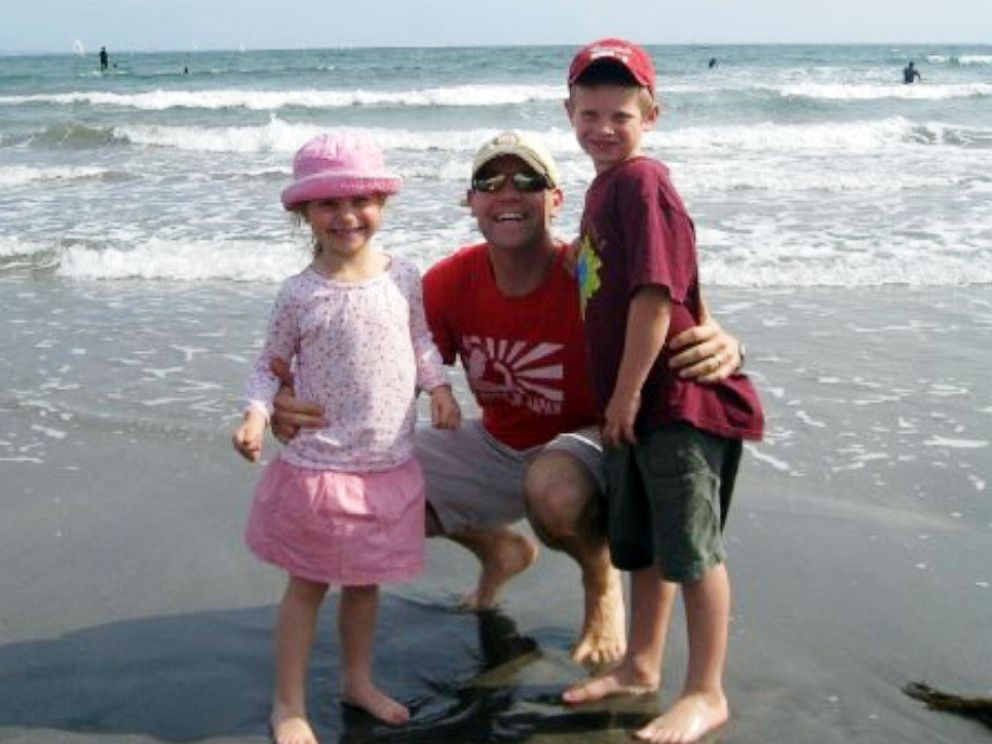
(673, 445)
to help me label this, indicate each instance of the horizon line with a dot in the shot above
(346, 47)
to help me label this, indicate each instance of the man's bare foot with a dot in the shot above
(622, 680)
(692, 716)
(369, 698)
(290, 727)
(503, 554)
(603, 639)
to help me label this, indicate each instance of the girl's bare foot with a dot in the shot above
(369, 698)
(290, 727)
(693, 715)
(619, 681)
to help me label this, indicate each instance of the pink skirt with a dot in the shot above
(340, 528)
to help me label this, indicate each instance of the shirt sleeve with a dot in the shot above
(430, 366)
(281, 342)
(659, 238)
(435, 300)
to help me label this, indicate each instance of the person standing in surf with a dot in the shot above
(910, 74)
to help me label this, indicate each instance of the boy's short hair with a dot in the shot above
(625, 55)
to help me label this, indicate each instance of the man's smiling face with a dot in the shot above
(508, 217)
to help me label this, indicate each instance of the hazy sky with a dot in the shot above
(53, 25)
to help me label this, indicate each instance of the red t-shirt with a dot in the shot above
(524, 356)
(636, 232)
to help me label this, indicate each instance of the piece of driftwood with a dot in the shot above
(977, 708)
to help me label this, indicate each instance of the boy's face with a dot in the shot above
(609, 122)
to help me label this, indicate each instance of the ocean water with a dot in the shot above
(142, 239)
(148, 195)
(803, 165)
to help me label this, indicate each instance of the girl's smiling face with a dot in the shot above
(344, 226)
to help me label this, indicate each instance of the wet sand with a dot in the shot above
(860, 551)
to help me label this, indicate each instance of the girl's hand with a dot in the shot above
(618, 420)
(445, 413)
(247, 438)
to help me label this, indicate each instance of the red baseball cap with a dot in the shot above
(637, 62)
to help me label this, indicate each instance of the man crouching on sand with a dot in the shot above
(508, 308)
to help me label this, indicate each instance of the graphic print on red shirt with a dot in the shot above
(524, 357)
(514, 372)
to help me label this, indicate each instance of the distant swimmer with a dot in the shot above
(104, 58)
(712, 62)
(910, 74)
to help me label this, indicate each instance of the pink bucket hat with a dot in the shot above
(337, 165)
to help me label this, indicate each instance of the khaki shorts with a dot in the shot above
(668, 500)
(473, 479)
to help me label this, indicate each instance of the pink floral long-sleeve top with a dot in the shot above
(361, 350)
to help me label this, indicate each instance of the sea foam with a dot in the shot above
(16, 175)
(866, 135)
(271, 100)
(860, 92)
(185, 261)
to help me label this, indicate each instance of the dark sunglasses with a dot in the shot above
(526, 183)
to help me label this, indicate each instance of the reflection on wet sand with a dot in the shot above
(513, 696)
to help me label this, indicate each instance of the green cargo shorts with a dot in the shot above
(668, 498)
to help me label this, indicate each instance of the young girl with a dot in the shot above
(343, 504)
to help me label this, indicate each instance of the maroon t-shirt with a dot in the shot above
(636, 232)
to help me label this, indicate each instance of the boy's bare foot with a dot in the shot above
(619, 681)
(603, 639)
(369, 698)
(503, 554)
(290, 727)
(693, 715)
